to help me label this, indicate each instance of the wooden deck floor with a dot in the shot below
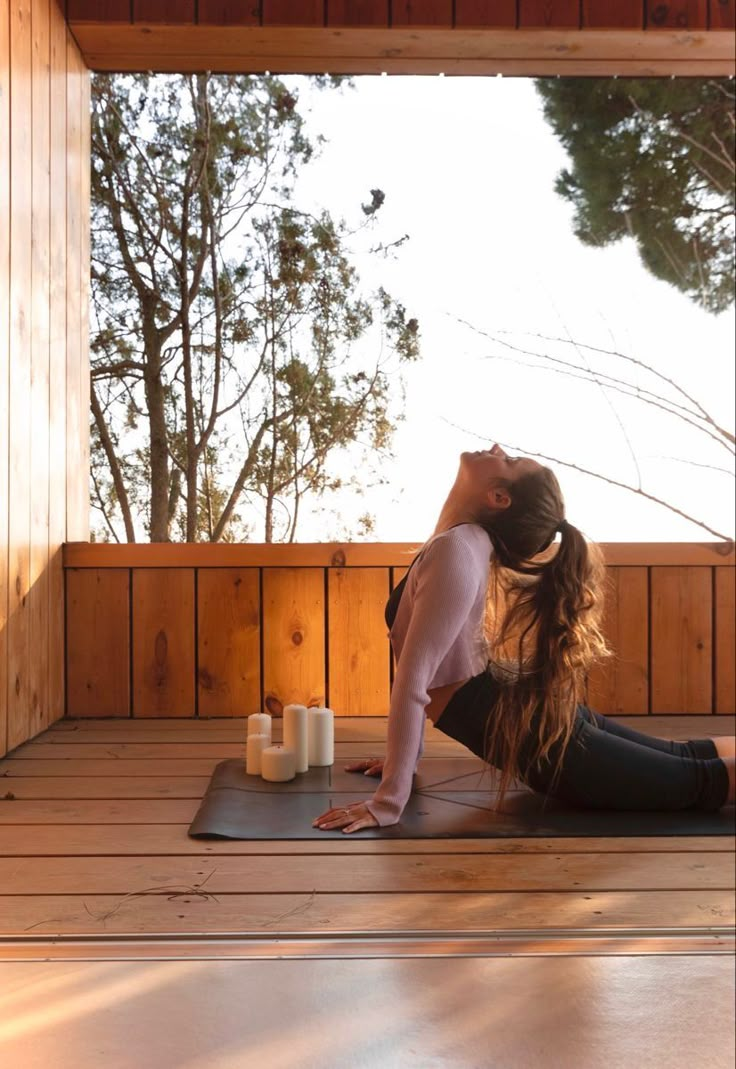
(345, 952)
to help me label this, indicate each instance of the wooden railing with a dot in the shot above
(187, 630)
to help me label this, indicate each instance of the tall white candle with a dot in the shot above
(321, 737)
(295, 734)
(259, 724)
(255, 746)
(278, 764)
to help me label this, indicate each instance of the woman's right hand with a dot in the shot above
(370, 766)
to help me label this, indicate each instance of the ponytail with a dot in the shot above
(549, 635)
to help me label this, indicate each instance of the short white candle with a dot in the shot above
(259, 724)
(254, 748)
(278, 764)
(295, 734)
(321, 737)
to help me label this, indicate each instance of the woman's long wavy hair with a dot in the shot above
(542, 627)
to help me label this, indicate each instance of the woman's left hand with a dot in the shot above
(350, 818)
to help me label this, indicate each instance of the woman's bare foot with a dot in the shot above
(725, 745)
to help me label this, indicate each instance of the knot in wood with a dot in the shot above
(338, 559)
(297, 638)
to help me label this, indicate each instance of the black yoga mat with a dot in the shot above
(451, 799)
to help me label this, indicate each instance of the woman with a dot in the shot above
(522, 714)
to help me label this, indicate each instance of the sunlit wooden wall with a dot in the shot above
(44, 370)
(222, 631)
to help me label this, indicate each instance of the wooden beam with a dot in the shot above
(351, 554)
(473, 14)
(405, 51)
(610, 14)
(229, 12)
(722, 14)
(681, 15)
(549, 13)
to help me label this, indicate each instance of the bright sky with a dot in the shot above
(468, 168)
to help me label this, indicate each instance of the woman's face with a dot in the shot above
(487, 466)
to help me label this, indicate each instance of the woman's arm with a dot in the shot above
(447, 581)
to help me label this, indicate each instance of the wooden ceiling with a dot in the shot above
(454, 37)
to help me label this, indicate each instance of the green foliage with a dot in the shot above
(652, 159)
(228, 324)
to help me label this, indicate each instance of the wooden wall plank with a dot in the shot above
(479, 13)
(57, 370)
(725, 640)
(83, 267)
(168, 11)
(293, 624)
(98, 642)
(76, 500)
(228, 641)
(421, 13)
(358, 12)
(358, 654)
(620, 685)
(4, 361)
(613, 14)
(38, 596)
(549, 13)
(722, 14)
(680, 15)
(19, 429)
(99, 10)
(293, 12)
(163, 642)
(229, 12)
(682, 641)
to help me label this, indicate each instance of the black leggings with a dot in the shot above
(606, 765)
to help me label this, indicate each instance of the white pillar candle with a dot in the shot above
(278, 764)
(295, 734)
(321, 737)
(259, 724)
(255, 746)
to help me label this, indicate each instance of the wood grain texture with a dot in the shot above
(549, 14)
(77, 157)
(351, 554)
(82, 478)
(78, 840)
(475, 14)
(168, 11)
(4, 364)
(609, 14)
(725, 641)
(228, 642)
(294, 668)
(620, 684)
(293, 12)
(57, 371)
(359, 912)
(358, 13)
(98, 643)
(99, 10)
(19, 391)
(229, 12)
(681, 15)
(421, 13)
(39, 714)
(163, 643)
(282, 874)
(681, 640)
(358, 653)
(722, 14)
